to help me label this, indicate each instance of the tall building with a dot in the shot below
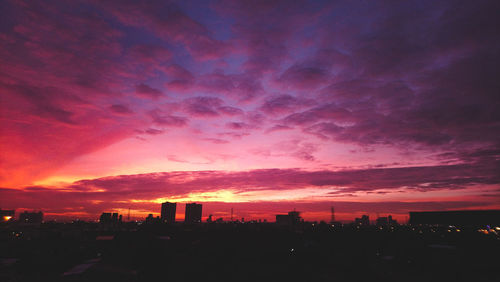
(168, 212)
(193, 213)
(105, 217)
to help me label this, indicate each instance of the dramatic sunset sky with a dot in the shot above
(373, 107)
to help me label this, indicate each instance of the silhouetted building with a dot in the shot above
(107, 217)
(168, 212)
(391, 221)
(282, 219)
(386, 221)
(31, 217)
(364, 220)
(152, 219)
(193, 213)
(291, 218)
(7, 215)
(458, 218)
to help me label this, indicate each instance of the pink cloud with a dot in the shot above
(297, 86)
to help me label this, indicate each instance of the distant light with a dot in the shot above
(292, 249)
(7, 218)
(484, 231)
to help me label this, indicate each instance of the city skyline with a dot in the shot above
(260, 107)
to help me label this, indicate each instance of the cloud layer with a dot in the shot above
(267, 90)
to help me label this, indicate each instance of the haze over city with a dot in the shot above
(374, 107)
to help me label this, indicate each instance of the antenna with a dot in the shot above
(231, 214)
(332, 219)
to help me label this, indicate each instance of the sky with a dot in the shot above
(370, 107)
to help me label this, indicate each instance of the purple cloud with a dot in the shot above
(168, 120)
(146, 91)
(202, 106)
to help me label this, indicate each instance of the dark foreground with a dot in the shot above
(246, 252)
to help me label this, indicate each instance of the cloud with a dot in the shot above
(178, 73)
(278, 127)
(168, 120)
(230, 111)
(294, 148)
(238, 125)
(146, 91)
(418, 77)
(169, 22)
(176, 159)
(120, 109)
(151, 131)
(149, 55)
(89, 205)
(202, 106)
(285, 103)
(240, 87)
(116, 191)
(325, 112)
(363, 180)
(303, 77)
(216, 140)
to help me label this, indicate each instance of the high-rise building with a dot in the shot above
(193, 213)
(105, 217)
(168, 212)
